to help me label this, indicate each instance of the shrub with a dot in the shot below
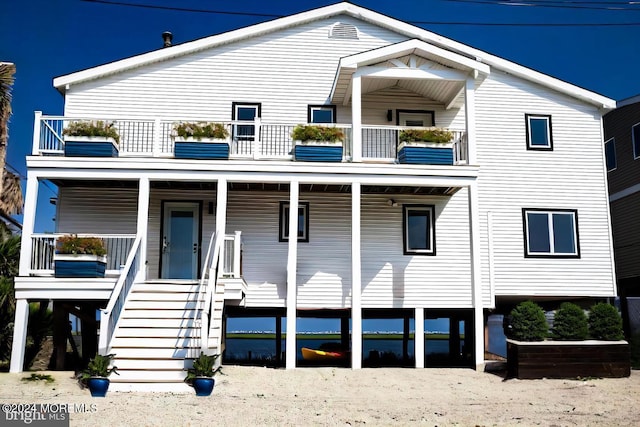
(528, 322)
(605, 323)
(440, 136)
(199, 130)
(99, 367)
(316, 133)
(72, 244)
(92, 128)
(570, 323)
(203, 366)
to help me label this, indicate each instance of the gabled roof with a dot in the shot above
(628, 101)
(344, 8)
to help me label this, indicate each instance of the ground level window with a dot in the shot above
(551, 233)
(303, 221)
(419, 230)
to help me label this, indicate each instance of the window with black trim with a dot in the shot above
(303, 222)
(244, 135)
(539, 135)
(551, 233)
(418, 228)
(635, 138)
(610, 154)
(321, 114)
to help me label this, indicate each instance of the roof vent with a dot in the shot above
(167, 37)
(343, 31)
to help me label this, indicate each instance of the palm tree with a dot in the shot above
(10, 191)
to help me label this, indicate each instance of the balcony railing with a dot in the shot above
(43, 248)
(248, 140)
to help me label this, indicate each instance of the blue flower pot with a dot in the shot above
(203, 386)
(98, 386)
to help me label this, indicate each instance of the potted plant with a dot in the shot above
(200, 140)
(200, 376)
(96, 376)
(79, 257)
(569, 355)
(432, 146)
(91, 138)
(317, 143)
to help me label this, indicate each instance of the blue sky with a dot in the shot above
(47, 38)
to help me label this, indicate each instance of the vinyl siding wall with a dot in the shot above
(617, 124)
(625, 220)
(572, 176)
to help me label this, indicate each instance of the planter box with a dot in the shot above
(425, 153)
(90, 146)
(68, 265)
(568, 359)
(205, 148)
(318, 151)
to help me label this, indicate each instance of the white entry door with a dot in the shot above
(180, 240)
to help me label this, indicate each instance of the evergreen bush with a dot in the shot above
(605, 323)
(570, 323)
(528, 322)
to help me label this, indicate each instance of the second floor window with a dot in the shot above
(321, 114)
(539, 135)
(635, 138)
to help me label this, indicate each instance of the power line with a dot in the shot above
(480, 24)
(552, 4)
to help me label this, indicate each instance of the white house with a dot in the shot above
(514, 208)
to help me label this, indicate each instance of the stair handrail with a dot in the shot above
(205, 287)
(109, 316)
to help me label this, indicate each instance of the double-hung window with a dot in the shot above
(635, 138)
(244, 135)
(539, 136)
(418, 227)
(321, 114)
(551, 233)
(303, 222)
(610, 154)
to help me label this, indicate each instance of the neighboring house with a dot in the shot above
(517, 208)
(622, 147)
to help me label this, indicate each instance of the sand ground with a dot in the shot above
(251, 396)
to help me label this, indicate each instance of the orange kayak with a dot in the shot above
(311, 354)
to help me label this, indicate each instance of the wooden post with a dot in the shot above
(278, 340)
(454, 338)
(60, 326)
(405, 340)
(89, 331)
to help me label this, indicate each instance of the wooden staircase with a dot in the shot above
(158, 336)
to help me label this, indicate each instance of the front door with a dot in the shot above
(180, 240)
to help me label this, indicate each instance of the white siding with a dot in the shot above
(512, 177)
(285, 70)
(97, 210)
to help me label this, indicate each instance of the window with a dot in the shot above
(244, 112)
(418, 230)
(303, 222)
(321, 114)
(415, 118)
(610, 153)
(635, 137)
(539, 135)
(551, 233)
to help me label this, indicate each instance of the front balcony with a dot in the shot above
(247, 141)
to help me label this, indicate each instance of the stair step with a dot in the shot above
(150, 375)
(165, 296)
(154, 353)
(144, 342)
(164, 305)
(158, 314)
(157, 323)
(157, 332)
(159, 287)
(159, 364)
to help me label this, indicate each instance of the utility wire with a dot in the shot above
(549, 5)
(482, 24)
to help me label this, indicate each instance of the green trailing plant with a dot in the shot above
(439, 136)
(570, 323)
(528, 322)
(203, 366)
(305, 133)
(605, 323)
(39, 377)
(92, 128)
(72, 244)
(199, 130)
(99, 366)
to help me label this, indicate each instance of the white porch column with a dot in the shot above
(356, 118)
(470, 114)
(292, 265)
(28, 221)
(356, 279)
(19, 336)
(476, 282)
(221, 207)
(142, 226)
(419, 337)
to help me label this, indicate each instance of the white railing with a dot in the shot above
(43, 248)
(206, 288)
(109, 316)
(380, 143)
(232, 255)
